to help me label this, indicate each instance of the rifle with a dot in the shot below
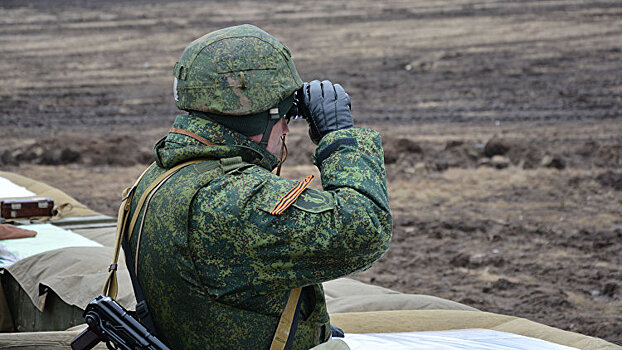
(111, 323)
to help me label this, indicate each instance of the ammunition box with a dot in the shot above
(26, 207)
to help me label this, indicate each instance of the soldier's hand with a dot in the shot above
(328, 108)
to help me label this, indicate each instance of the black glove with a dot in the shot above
(327, 108)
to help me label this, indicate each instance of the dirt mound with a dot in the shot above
(496, 146)
(609, 156)
(610, 179)
(122, 150)
(400, 149)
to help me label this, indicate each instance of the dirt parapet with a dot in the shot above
(404, 155)
(113, 150)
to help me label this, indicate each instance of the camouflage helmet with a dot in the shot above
(235, 71)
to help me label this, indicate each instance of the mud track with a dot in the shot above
(501, 122)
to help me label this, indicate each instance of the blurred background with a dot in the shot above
(501, 123)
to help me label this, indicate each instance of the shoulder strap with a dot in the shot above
(286, 330)
(148, 190)
(142, 311)
(192, 135)
(111, 286)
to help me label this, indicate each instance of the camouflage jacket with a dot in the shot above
(216, 266)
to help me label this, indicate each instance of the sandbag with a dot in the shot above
(103, 235)
(435, 320)
(75, 274)
(348, 295)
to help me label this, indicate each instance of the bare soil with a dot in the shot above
(501, 123)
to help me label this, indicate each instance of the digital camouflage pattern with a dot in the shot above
(235, 71)
(217, 268)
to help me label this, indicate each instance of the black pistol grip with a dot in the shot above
(86, 340)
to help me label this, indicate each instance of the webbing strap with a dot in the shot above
(201, 139)
(274, 118)
(145, 205)
(111, 287)
(142, 311)
(148, 190)
(286, 321)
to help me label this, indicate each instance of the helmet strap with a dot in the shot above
(274, 118)
(283, 155)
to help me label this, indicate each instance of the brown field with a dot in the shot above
(85, 90)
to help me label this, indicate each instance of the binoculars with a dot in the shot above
(298, 110)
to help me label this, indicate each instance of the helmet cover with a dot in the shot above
(235, 71)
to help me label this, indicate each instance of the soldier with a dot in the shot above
(220, 245)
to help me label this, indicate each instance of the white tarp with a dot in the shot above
(9, 189)
(49, 237)
(463, 339)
